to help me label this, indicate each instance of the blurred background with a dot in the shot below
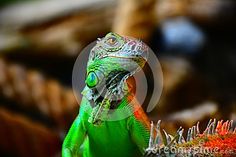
(194, 40)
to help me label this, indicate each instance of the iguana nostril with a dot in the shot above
(92, 80)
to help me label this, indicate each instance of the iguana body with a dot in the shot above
(110, 64)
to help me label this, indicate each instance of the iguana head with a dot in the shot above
(111, 61)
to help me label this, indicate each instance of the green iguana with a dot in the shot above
(108, 124)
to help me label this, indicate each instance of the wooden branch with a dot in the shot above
(31, 89)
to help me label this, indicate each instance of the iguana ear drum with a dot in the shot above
(92, 80)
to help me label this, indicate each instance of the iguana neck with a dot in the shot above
(109, 108)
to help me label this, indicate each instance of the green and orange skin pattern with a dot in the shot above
(127, 137)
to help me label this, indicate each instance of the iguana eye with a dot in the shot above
(112, 41)
(92, 80)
